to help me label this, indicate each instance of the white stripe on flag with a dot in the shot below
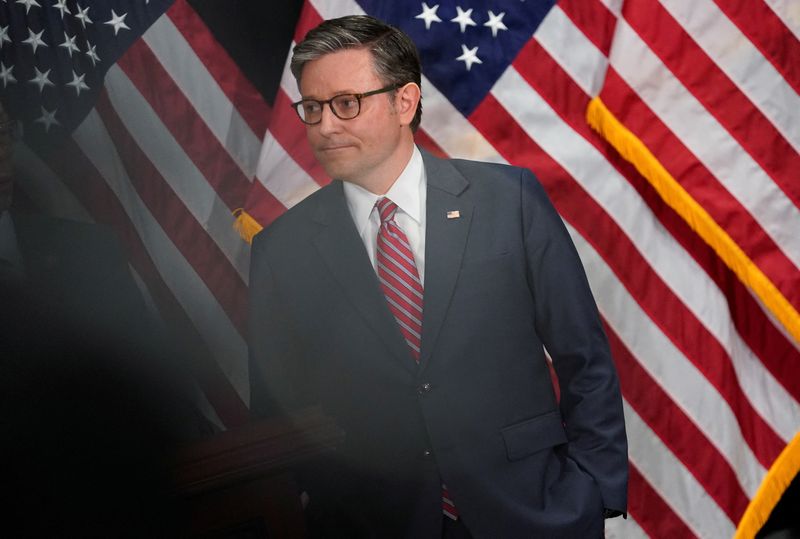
(572, 50)
(676, 486)
(753, 74)
(330, 9)
(281, 175)
(205, 94)
(624, 528)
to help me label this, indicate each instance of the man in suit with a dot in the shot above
(412, 300)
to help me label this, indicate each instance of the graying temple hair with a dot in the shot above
(394, 55)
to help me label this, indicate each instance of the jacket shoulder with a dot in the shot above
(298, 218)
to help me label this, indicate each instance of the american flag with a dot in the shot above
(135, 117)
(167, 142)
(667, 134)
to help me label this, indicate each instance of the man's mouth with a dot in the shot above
(335, 147)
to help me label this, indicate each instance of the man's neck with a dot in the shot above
(382, 180)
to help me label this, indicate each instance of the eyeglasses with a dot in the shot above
(344, 106)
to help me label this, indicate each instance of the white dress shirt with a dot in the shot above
(409, 193)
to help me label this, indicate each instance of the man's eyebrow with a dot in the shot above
(339, 92)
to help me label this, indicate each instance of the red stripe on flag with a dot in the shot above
(194, 243)
(650, 511)
(717, 93)
(769, 35)
(309, 18)
(234, 84)
(262, 205)
(593, 19)
(703, 187)
(188, 128)
(646, 287)
(86, 183)
(677, 431)
(422, 138)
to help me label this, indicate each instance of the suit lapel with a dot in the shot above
(342, 251)
(445, 241)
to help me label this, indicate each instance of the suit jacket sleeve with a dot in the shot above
(569, 325)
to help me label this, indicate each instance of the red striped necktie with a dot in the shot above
(399, 278)
(397, 273)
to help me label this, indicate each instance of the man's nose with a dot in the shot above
(329, 122)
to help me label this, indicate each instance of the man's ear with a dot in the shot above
(406, 102)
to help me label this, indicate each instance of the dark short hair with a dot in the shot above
(394, 55)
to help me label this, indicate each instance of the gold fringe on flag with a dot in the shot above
(633, 150)
(787, 465)
(245, 225)
(777, 480)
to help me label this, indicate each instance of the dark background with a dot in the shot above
(256, 33)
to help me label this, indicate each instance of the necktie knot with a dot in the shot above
(386, 210)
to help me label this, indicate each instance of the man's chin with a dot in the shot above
(334, 168)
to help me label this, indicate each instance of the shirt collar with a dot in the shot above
(405, 192)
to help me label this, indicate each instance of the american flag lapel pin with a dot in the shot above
(453, 214)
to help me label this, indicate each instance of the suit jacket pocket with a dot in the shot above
(532, 435)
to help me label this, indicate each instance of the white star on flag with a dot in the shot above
(6, 74)
(77, 83)
(429, 15)
(83, 16)
(28, 4)
(117, 21)
(495, 22)
(69, 44)
(61, 5)
(464, 18)
(41, 79)
(92, 54)
(48, 119)
(4, 36)
(34, 40)
(469, 56)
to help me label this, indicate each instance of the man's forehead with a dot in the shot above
(340, 65)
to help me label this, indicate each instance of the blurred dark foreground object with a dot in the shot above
(85, 436)
(241, 483)
(89, 445)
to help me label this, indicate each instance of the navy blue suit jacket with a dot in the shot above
(502, 281)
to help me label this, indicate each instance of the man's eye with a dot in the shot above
(311, 107)
(347, 102)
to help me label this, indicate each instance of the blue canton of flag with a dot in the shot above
(55, 53)
(454, 38)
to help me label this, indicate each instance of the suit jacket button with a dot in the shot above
(427, 453)
(424, 388)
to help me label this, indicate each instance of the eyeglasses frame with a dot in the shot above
(328, 102)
